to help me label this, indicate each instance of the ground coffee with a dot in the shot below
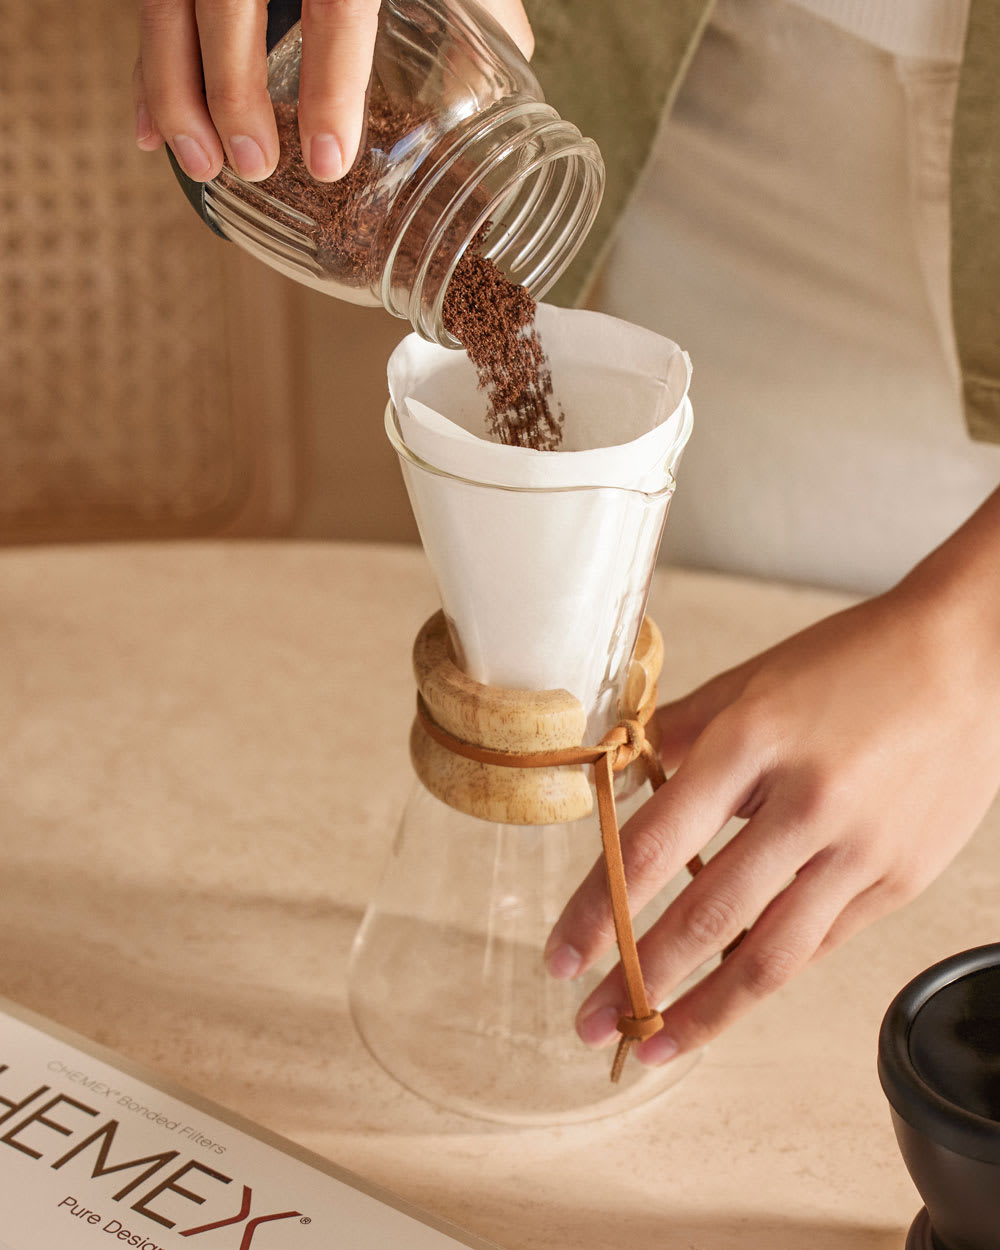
(494, 320)
(492, 317)
(346, 217)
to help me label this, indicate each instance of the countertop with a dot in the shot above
(204, 757)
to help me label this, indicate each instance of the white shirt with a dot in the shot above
(934, 29)
(791, 232)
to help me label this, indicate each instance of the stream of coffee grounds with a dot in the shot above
(492, 317)
(494, 320)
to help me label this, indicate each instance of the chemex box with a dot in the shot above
(98, 1154)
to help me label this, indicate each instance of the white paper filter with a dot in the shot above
(543, 558)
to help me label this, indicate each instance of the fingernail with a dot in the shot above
(143, 124)
(248, 157)
(326, 161)
(659, 1049)
(563, 963)
(598, 1026)
(192, 156)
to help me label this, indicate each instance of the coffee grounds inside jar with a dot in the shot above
(347, 218)
(492, 317)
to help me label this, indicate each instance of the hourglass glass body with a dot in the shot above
(448, 986)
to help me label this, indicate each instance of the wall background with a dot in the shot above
(155, 382)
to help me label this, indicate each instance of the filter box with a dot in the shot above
(97, 1153)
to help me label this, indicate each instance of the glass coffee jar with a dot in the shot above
(459, 148)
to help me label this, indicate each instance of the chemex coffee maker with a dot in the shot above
(939, 1064)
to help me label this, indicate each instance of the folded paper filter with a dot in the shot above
(543, 559)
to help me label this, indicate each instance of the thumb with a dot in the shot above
(512, 17)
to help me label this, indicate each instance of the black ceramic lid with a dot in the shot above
(939, 1053)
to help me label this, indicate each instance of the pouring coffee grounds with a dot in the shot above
(492, 317)
(494, 320)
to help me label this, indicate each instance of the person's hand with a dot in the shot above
(863, 753)
(200, 82)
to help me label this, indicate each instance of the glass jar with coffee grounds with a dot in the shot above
(459, 148)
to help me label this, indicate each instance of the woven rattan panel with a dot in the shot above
(139, 393)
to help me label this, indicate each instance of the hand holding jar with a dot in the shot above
(200, 82)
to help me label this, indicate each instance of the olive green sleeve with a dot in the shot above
(613, 70)
(975, 221)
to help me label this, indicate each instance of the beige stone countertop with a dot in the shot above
(202, 761)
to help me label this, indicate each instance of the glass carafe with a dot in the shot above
(447, 983)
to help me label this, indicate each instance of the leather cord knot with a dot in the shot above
(638, 1029)
(625, 743)
(633, 1029)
